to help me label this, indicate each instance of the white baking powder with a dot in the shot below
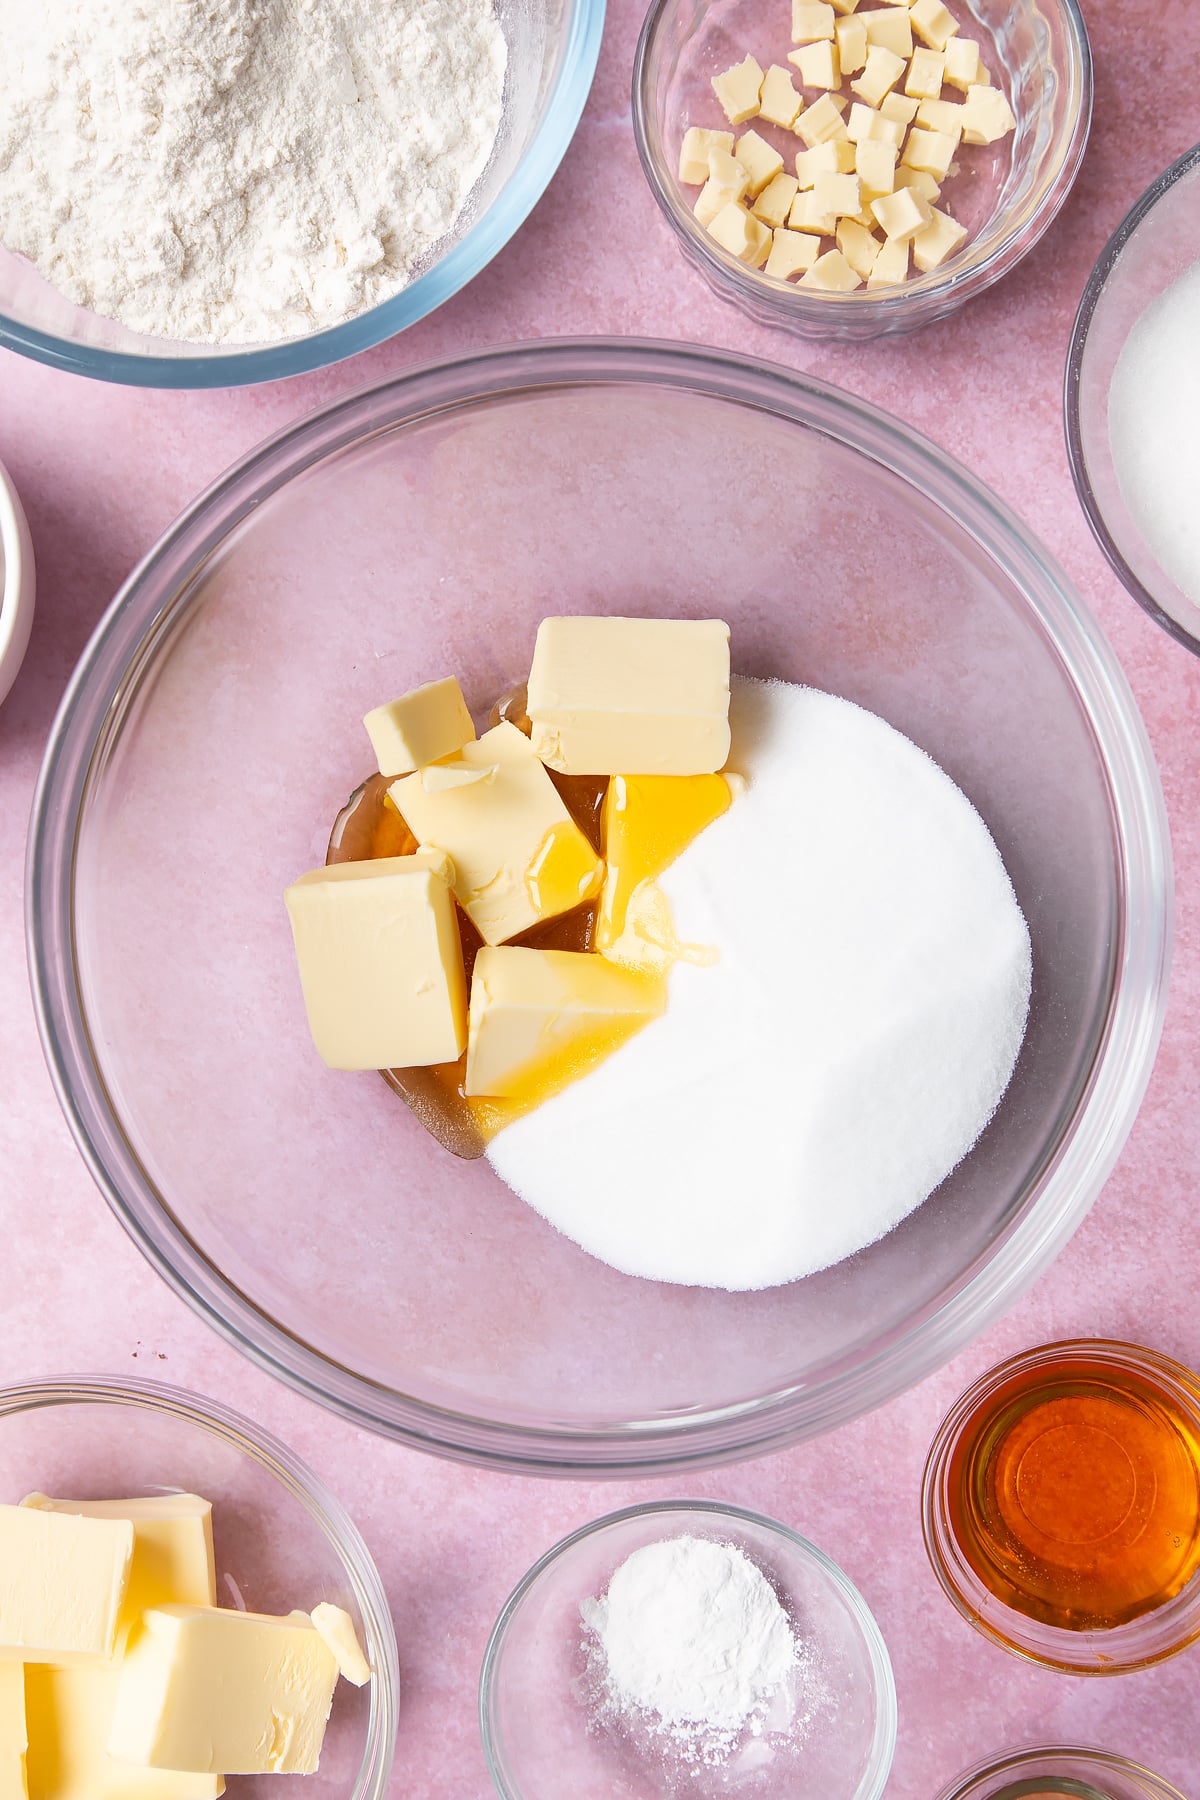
(800, 1097)
(236, 171)
(691, 1644)
(1154, 429)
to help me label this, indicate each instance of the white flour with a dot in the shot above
(799, 1098)
(691, 1644)
(236, 171)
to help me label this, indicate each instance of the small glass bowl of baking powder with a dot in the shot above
(1064, 1772)
(555, 1721)
(1133, 377)
(1006, 194)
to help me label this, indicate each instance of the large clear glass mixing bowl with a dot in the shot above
(213, 730)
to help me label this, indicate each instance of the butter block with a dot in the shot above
(533, 1009)
(791, 253)
(420, 727)
(618, 696)
(172, 1549)
(337, 1628)
(14, 1739)
(693, 158)
(213, 1691)
(738, 89)
(380, 958)
(518, 856)
(64, 1584)
(70, 1714)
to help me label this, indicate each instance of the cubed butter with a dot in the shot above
(759, 159)
(617, 696)
(832, 273)
(739, 232)
(891, 265)
(518, 856)
(70, 1715)
(213, 1691)
(172, 1549)
(963, 63)
(792, 252)
(881, 72)
(775, 202)
(933, 23)
(14, 1739)
(888, 26)
(738, 89)
(811, 22)
(986, 115)
(337, 1628)
(817, 64)
(820, 123)
(779, 102)
(430, 722)
(940, 239)
(693, 162)
(64, 1583)
(534, 1010)
(926, 71)
(901, 214)
(380, 959)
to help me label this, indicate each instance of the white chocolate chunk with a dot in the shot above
(430, 722)
(727, 182)
(875, 165)
(836, 195)
(888, 26)
(775, 202)
(932, 151)
(792, 252)
(833, 158)
(761, 162)
(812, 21)
(941, 115)
(920, 181)
(891, 265)
(940, 239)
(818, 65)
(820, 123)
(926, 71)
(693, 155)
(738, 89)
(859, 247)
(898, 107)
(933, 23)
(744, 236)
(986, 115)
(832, 273)
(807, 216)
(901, 214)
(866, 125)
(779, 103)
(850, 35)
(882, 71)
(963, 65)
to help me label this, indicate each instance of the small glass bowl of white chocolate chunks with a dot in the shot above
(831, 164)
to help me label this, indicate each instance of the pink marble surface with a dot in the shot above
(103, 471)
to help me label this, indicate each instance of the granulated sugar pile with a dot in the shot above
(237, 171)
(802, 1096)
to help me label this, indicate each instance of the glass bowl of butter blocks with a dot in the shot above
(213, 735)
(846, 170)
(180, 1598)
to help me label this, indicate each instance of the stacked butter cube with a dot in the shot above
(891, 92)
(121, 1678)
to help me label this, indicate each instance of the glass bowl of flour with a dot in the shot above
(687, 1649)
(1133, 400)
(195, 196)
(212, 734)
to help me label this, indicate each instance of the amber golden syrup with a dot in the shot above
(369, 826)
(1074, 1493)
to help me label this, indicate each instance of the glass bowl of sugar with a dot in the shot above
(424, 528)
(687, 1648)
(1132, 400)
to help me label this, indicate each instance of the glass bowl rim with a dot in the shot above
(1093, 293)
(864, 1618)
(959, 281)
(964, 1787)
(124, 641)
(248, 1438)
(1116, 1353)
(221, 368)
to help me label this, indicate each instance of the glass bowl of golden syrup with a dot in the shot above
(1062, 1506)
(1054, 1772)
